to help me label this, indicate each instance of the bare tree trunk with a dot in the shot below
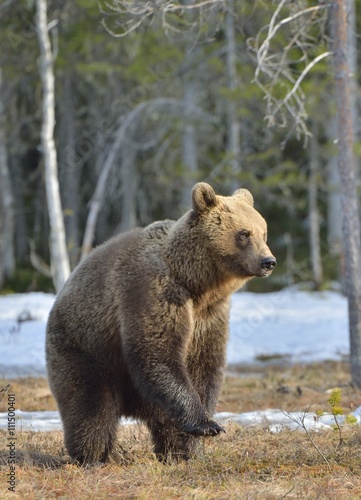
(189, 140)
(350, 209)
(60, 267)
(334, 212)
(128, 188)
(68, 169)
(233, 122)
(21, 244)
(313, 213)
(189, 154)
(7, 256)
(352, 61)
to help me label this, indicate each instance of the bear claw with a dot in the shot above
(204, 428)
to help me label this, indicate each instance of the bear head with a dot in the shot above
(235, 232)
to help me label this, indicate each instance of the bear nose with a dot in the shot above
(268, 263)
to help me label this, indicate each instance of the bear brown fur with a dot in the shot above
(140, 327)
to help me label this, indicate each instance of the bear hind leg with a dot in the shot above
(93, 441)
(87, 403)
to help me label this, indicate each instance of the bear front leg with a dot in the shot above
(166, 386)
(169, 443)
(155, 350)
(207, 353)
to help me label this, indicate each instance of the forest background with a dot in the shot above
(172, 102)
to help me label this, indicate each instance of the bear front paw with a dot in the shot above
(203, 428)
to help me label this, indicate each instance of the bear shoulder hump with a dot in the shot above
(159, 230)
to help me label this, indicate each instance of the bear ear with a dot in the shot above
(244, 193)
(203, 197)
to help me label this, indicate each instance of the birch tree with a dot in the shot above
(7, 258)
(189, 138)
(234, 124)
(313, 211)
(69, 171)
(60, 267)
(190, 71)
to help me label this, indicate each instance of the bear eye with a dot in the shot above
(244, 234)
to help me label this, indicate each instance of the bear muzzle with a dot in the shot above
(268, 264)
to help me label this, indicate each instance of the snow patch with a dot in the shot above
(304, 326)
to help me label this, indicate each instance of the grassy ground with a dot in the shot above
(246, 463)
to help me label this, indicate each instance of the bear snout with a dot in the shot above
(268, 263)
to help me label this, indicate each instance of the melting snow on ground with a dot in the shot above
(273, 420)
(302, 326)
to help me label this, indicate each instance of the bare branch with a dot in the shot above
(274, 71)
(139, 8)
(273, 29)
(300, 79)
(300, 420)
(133, 27)
(126, 134)
(130, 15)
(37, 262)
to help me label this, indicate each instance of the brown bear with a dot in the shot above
(140, 327)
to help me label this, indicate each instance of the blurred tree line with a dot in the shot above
(140, 118)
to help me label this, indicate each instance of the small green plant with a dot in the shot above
(336, 411)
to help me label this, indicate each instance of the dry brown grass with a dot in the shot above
(246, 463)
(32, 394)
